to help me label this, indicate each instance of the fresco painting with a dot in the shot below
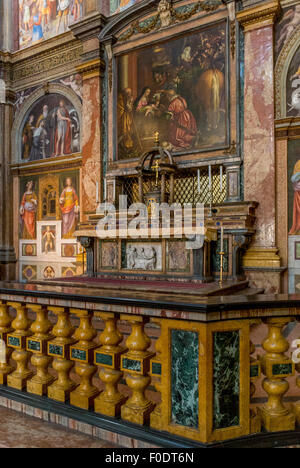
(294, 187)
(39, 196)
(117, 6)
(286, 26)
(51, 129)
(43, 19)
(177, 88)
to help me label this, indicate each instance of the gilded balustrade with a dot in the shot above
(204, 373)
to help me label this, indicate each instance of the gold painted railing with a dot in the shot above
(194, 379)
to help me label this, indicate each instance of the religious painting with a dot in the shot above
(117, 6)
(28, 208)
(177, 88)
(285, 27)
(178, 257)
(293, 87)
(74, 82)
(294, 187)
(51, 129)
(43, 19)
(48, 239)
(50, 198)
(69, 206)
(109, 255)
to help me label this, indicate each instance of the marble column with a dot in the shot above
(7, 252)
(91, 69)
(259, 130)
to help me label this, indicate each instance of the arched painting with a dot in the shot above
(293, 87)
(51, 129)
(43, 19)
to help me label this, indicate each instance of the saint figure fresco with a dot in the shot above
(69, 205)
(28, 210)
(51, 129)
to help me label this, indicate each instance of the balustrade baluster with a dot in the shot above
(59, 348)
(17, 340)
(255, 373)
(136, 363)
(83, 354)
(5, 328)
(156, 372)
(276, 366)
(110, 401)
(37, 345)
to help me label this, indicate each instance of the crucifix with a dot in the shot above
(156, 168)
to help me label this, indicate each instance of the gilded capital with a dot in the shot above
(259, 16)
(91, 69)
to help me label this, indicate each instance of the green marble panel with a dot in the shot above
(79, 354)
(56, 350)
(185, 378)
(226, 379)
(104, 359)
(14, 341)
(132, 364)
(156, 368)
(282, 369)
(216, 262)
(34, 345)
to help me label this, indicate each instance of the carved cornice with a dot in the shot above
(158, 21)
(89, 27)
(47, 61)
(260, 16)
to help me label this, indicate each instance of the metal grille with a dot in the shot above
(185, 187)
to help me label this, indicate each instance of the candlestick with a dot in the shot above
(221, 266)
(221, 179)
(222, 238)
(209, 177)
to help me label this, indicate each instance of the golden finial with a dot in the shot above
(156, 135)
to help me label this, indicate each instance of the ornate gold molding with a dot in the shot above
(262, 257)
(91, 69)
(167, 17)
(46, 62)
(260, 16)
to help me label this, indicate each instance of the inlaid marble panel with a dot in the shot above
(185, 378)
(226, 379)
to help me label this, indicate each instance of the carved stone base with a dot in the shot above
(137, 415)
(19, 381)
(109, 408)
(5, 370)
(38, 386)
(59, 393)
(296, 410)
(83, 400)
(255, 423)
(276, 423)
(156, 419)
